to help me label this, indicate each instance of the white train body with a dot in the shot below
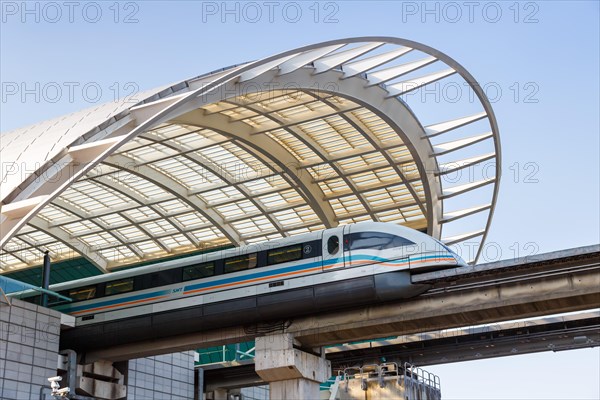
(346, 266)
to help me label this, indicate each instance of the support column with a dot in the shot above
(220, 394)
(291, 373)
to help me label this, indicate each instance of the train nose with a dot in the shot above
(459, 261)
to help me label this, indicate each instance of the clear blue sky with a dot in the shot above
(550, 50)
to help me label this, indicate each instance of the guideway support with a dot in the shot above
(291, 372)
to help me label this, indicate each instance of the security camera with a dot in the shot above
(54, 382)
(57, 391)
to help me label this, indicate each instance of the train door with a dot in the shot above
(333, 248)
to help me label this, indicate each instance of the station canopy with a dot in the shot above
(361, 129)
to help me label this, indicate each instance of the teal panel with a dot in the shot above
(218, 354)
(62, 271)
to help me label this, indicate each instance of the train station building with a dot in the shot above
(330, 134)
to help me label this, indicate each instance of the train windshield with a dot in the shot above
(374, 240)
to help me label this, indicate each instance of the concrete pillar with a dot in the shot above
(220, 394)
(199, 384)
(292, 373)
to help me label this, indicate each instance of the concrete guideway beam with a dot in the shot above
(575, 289)
(488, 304)
(291, 372)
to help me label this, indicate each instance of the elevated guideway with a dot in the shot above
(555, 333)
(547, 284)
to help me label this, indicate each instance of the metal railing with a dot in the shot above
(417, 383)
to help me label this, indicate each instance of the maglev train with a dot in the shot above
(351, 265)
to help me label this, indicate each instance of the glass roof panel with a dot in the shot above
(190, 220)
(177, 242)
(172, 206)
(233, 160)
(112, 221)
(322, 172)
(250, 227)
(362, 162)
(280, 199)
(188, 173)
(378, 127)
(377, 177)
(218, 107)
(141, 214)
(347, 205)
(119, 255)
(56, 215)
(9, 261)
(159, 227)
(149, 248)
(210, 236)
(17, 243)
(91, 197)
(263, 185)
(238, 113)
(147, 153)
(291, 219)
(140, 186)
(218, 196)
(400, 154)
(130, 233)
(294, 145)
(334, 187)
(81, 227)
(37, 238)
(237, 209)
(99, 240)
(335, 135)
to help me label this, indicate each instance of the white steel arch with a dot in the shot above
(302, 140)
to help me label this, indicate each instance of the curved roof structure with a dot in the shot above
(327, 134)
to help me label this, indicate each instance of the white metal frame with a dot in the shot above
(330, 87)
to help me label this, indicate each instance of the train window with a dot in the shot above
(198, 271)
(82, 294)
(333, 244)
(284, 254)
(120, 286)
(238, 263)
(374, 240)
(163, 278)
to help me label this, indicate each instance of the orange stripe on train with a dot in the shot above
(118, 305)
(252, 280)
